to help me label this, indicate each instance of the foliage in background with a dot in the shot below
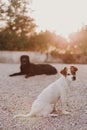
(17, 32)
(18, 26)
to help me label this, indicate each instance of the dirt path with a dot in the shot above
(18, 93)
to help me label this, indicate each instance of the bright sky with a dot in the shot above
(60, 16)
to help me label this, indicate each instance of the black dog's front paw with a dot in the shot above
(26, 76)
(10, 75)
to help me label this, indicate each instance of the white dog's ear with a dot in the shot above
(73, 68)
(64, 71)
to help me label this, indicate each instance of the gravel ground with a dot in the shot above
(18, 93)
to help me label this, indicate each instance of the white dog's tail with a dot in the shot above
(22, 115)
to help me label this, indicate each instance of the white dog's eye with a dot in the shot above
(68, 74)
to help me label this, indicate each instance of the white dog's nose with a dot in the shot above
(74, 78)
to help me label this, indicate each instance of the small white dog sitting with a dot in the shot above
(46, 101)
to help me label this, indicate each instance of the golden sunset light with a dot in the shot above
(48, 26)
(43, 64)
(60, 16)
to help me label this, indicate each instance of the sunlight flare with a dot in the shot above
(62, 17)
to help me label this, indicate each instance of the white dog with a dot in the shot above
(46, 101)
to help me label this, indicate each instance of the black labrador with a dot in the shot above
(29, 69)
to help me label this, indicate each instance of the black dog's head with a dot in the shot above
(24, 59)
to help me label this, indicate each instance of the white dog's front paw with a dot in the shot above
(53, 115)
(65, 112)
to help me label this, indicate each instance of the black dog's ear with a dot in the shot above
(64, 71)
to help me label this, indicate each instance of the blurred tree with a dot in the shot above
(79, 41)
(18, 19)
(83, 40)
(44, 41)
(18, 25)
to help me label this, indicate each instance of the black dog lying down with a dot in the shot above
(30, 69)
